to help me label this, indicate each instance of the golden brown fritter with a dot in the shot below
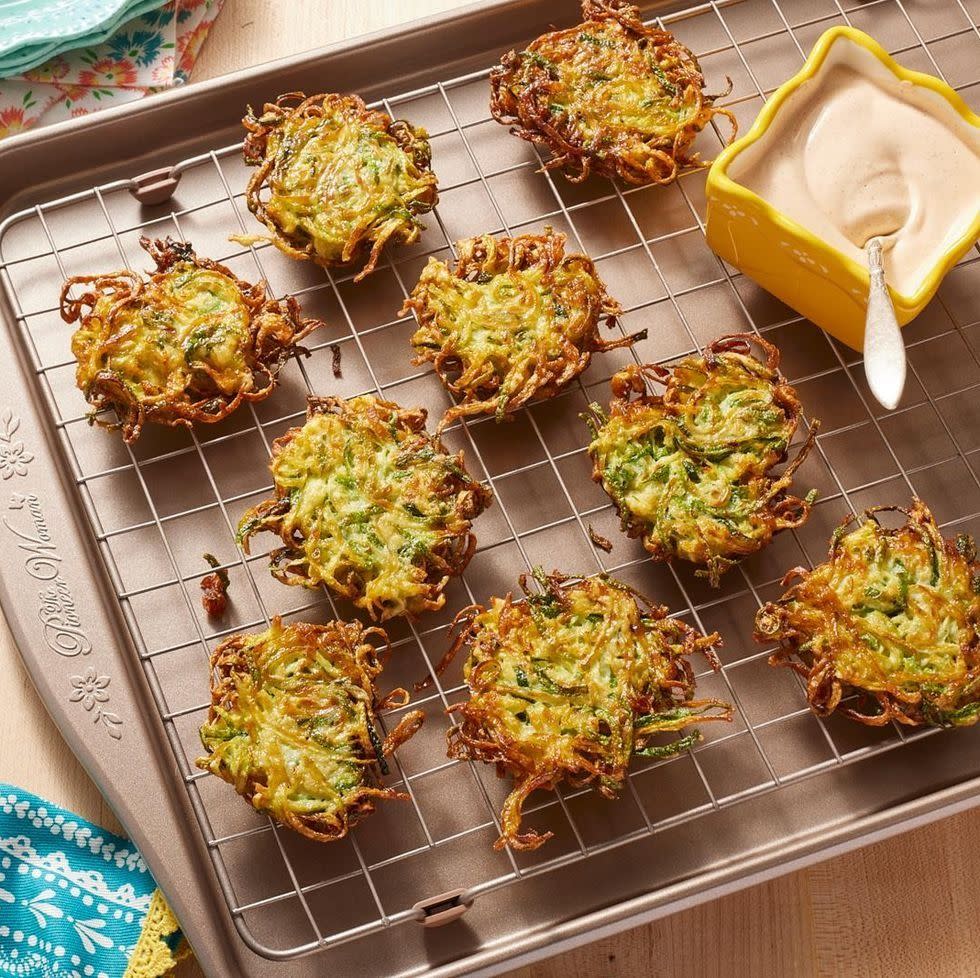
(569, 684)
(335, 179)
(609, 96)
(689, 469)
(371, 505)
(191, 343)
(891, 618)
(293, 724)
(514, 318)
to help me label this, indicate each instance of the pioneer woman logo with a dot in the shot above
(62, 629)
(57, 612)
(42, 561)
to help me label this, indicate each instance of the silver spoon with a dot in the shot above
(873, 207)
(884, 349)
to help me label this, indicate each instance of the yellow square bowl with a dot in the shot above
(795, 265)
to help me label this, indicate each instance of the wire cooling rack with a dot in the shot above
(155, 506)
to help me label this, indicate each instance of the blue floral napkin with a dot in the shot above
(148, 54)
(76, 901)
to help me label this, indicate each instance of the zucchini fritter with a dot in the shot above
(569, 683)
(336, 179)
(371, 505)
(293, 724)
(610, 96)
(191, 343)
(689, 470)
(516, 317)
(891, 617)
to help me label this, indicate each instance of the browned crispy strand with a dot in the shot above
(335, 179)
(514, 318)
(610, 96)
(190, 344)
(569, 684)
(891, 619)
(293, 724)
(214, 588)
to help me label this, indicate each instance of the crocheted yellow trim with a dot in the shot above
(153, 957)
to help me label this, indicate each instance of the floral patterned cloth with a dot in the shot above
(74, 898)
(148, 54)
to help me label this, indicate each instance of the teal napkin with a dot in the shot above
(73, 897)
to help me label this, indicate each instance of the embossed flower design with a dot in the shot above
(89, 689)
(13, 459)
(13, 455)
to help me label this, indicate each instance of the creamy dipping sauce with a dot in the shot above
(856, 152)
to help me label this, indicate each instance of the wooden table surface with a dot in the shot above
(907, 907)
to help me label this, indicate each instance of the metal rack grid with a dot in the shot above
(153, 507)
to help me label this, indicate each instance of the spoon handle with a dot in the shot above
(884, 350)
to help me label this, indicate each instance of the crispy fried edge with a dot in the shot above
(268, 349)
(275, 114)
(448, 561)
(533, 122)
(824, 689)
(630, 395)
(468, 740)
(524, 251)
(226, 660)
